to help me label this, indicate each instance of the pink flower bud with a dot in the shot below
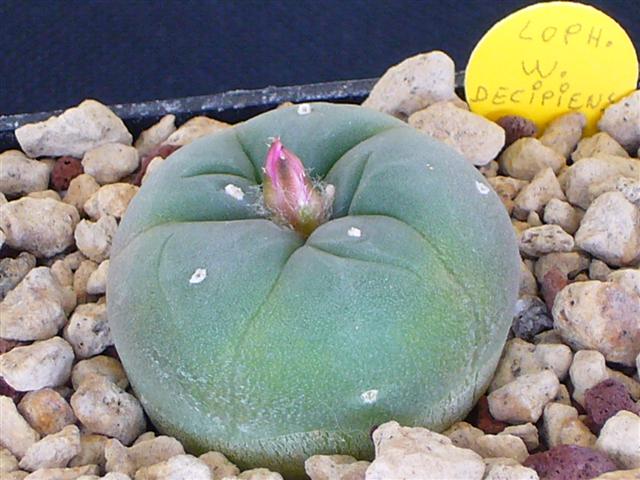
(289, 194)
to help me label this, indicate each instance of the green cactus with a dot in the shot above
(397, 307)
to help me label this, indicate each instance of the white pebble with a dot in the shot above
(234, 191)
(42, 364)
(335, 467)
(180, 467)
(155, 135)
(75, 131)
(111, 199)
(88, 331)
(15, 433)
(34, 309)
(587, 370)
(193, 128)
(100, 365)
(198, 276)
(20, 175)
(620, 439)
(104, 408)
(110, 162)
(41, 226)
(403, 451)
(53, 451)
(143, 454)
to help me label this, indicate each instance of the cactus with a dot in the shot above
(244, 332)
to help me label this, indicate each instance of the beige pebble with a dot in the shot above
(588, 172)
(94, 238)
(414, 84)
(555, 417)
(575, 432)
(490, 170)
(88, 330)
(464, 435)
(627, 278)
(528, 285)
(219, 465)
(610, 230)
(194, 128)
(111, 199)
(8, 463)
(75, 131)
(74, 260)
(598, 270)
(335, 467)
(34, 309)
(105, 408)
(630, 382)
(503, 469)
(563, 395)
(180, 467)
(144, 454)
(622, 121)
(537, 241)
(81, 278)
(522, 358)
(41, 226)
(620, 439)
(523, 399)
(259, 474)
(599, 316)
(534, 196)
(15, 475)
(533, 219)
(97, 282)
(568, 263)
(563, 134)
(507, 188)
(633, 474)
(46, 411)
(417, 453)
(80, 190)
(15, 433)
(91, 451)
(155, 135)
(69, 473)
(20, 175)
(110, 162)
(525, 157)
(46, 363)
(587, 370)
(596, 145)
(476, 138)
(12, 271)
(52, 194)
(62, 273)
(505, 445)
(528, 432)
(100, 365)
(559, 212)
(53, 451)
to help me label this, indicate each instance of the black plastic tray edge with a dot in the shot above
(232, 106)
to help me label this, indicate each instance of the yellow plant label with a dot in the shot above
(549, 59)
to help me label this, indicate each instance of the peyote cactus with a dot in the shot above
(243, 335)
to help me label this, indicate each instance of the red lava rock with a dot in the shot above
(160, 151)
(481, 417)
(553, 281)
(516, 127)
(65, 170)
(570, 462)
(605, 399)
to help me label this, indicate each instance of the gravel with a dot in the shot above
(575, 206)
